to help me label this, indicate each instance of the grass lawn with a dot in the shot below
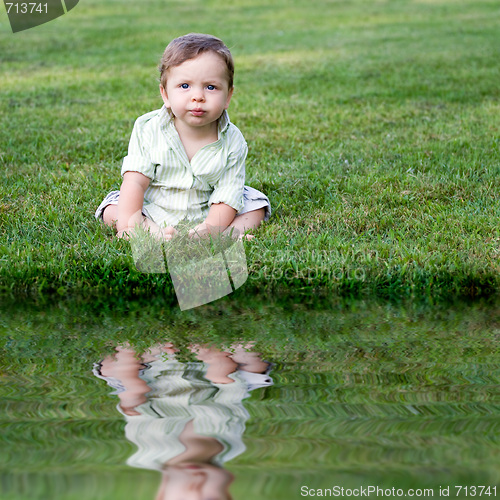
(373, 126)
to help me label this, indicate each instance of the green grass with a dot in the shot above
(372, 127)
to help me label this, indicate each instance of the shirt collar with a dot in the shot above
(167, 118)
(223, 122)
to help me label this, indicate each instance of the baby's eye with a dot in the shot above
(184, 86)
(211, 87)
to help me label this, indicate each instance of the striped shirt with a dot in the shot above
(181, 189)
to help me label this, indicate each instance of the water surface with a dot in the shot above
(351, 394)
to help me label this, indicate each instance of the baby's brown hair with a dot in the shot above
(188, 47)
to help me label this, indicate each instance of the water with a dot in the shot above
(352, 395)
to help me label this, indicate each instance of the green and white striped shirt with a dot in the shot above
(180, 189)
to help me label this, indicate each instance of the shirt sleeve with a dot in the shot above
(229, 188)
(138, 159)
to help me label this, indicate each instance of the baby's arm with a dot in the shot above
(125, 366)
(130, 202)
(228, 190)
(218, 219)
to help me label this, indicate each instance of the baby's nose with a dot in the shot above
(198, 96)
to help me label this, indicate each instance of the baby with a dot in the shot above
(186, 161)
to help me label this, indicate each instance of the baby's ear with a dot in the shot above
(164, 96)
(229, 95)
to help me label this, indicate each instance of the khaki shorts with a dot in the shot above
(252, 200)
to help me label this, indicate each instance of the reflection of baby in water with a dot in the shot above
(186, 418)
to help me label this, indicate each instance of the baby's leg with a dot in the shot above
(248, 220)
(110, 215)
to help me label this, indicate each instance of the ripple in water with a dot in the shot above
(391, 399)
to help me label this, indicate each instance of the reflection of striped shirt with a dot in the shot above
(181, 189)
(180, 393)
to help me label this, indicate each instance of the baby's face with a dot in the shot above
(197, 91)
(192, 481)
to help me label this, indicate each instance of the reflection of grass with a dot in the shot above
(372, 127)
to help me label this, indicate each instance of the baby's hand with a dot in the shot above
(124, 233)
(169, 232)
(200, 231)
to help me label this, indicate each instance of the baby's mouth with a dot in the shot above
(197, 112)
